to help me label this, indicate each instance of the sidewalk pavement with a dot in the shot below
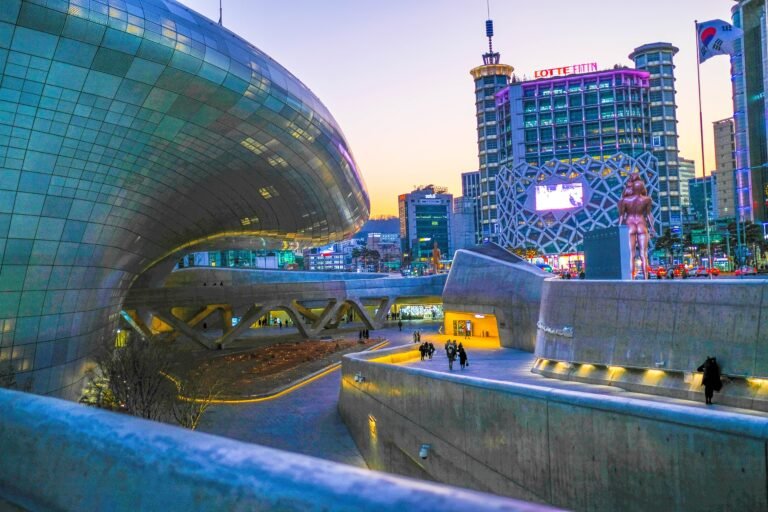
(510, 365)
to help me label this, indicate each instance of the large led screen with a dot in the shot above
(559, 197)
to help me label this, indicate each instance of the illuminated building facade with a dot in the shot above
(585, 130)
(425, 219)
(750, 79)
(567, 117)
(550, 207)
(133, 132)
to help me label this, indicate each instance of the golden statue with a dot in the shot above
(635, 211)
(436, 257)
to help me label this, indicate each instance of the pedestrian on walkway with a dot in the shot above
(711, 380)
(462, 357)
(422, 351)
(399, 325)
(430, 349)
(450, 351)
(414, 336)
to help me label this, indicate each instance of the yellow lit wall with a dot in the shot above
(480, 324)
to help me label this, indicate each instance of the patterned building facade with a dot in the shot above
(597, 185)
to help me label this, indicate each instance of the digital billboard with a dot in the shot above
(561, 196)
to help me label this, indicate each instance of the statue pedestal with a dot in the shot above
(606, 253)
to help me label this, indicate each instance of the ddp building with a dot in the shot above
(132, 131)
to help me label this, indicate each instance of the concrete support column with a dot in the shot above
(183, 328)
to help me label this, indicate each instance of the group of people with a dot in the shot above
(453, 351)
(426, 350)
(363, 334)
(416, 336)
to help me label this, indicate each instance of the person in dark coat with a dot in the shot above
(423, 350)
(711, 380)
(462, 356)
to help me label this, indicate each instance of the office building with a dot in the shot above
(703, 193)
(686, 172)
(328, 259)
(726, 166)
(462, 224)
(489, 78)
(470, 189)
(566, 118)
(579, 135)
(748, 76)
(658, 60)
(425, 217)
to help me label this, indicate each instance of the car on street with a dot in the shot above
(746, 270)
(705, 272)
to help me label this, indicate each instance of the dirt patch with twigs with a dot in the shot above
(262, 370)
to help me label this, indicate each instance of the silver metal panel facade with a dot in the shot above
(131, 131)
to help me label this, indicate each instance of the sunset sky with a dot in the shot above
(396, 77)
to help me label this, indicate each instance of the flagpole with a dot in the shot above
(703, 163)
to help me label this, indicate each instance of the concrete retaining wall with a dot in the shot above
(56, 455)
(570, 449)
(482, 282)
(642, 323)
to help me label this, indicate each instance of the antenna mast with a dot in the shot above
(491, 57)
(221, 15)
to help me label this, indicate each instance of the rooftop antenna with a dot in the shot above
(491, 57)
(221, 16)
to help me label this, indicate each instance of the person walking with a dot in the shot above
(462, 356)
(430, 349)
(399, 325)
(711, 380)
(451, 353)
(422, 350)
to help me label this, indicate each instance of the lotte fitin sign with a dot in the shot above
(565, 70)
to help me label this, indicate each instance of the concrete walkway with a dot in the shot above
(307, 420)
(511, 365)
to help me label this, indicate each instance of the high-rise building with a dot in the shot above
(657, 59)
(726, 165)
(489, 78)
(749, 77)
(703, 195)
(567, 144)
(425, 217)
(462, 224)
(566, 118)
(687, 172)
(470, 190)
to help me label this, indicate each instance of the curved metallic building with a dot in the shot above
(131, 131)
